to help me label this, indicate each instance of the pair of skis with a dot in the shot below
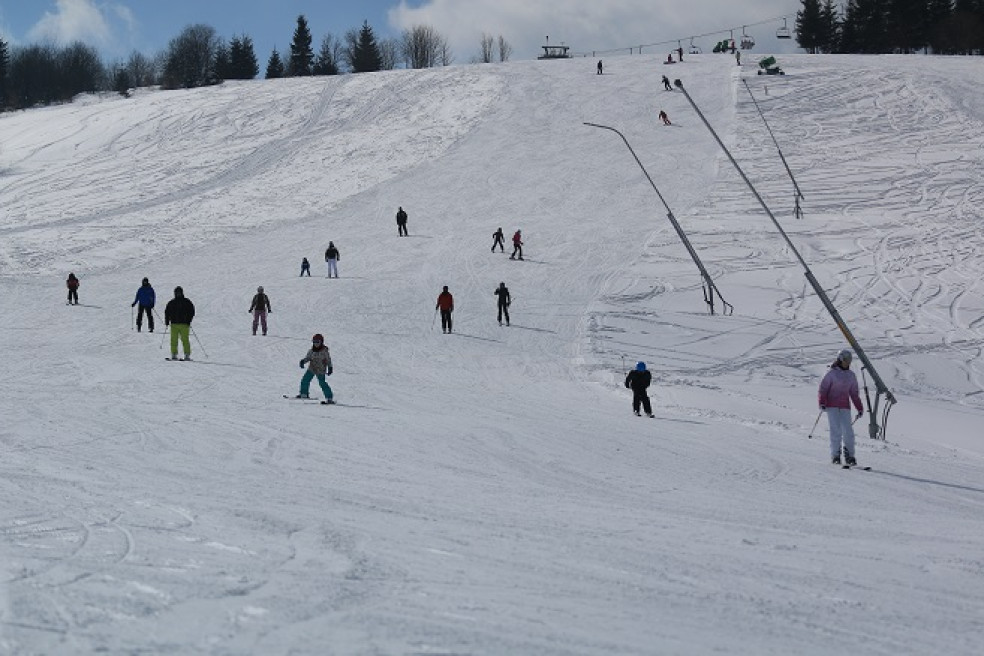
(301, 398)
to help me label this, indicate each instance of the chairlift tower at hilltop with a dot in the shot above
(555, 52)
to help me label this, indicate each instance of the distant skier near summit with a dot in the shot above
(638, 381)
(838, 389)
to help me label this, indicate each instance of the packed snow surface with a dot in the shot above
(490, 491)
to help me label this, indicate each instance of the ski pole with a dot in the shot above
(164, 336)
(810, 436)
(434, 319)
(131, 318)
(197, 340)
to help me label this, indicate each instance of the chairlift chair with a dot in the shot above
(694, 50)
(783, 32)
(747, 42)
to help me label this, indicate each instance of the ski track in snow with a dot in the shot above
(489, 492)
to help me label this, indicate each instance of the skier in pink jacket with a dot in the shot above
(838, 389)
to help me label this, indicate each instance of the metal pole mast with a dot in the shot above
(880, 387)
(799, 194)
(710, 289)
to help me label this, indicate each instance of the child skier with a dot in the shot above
(146, 298)
(663, 117)
(318, 360)
(259, 308)
(73, 289)
(305, 267)
(498, 239)
(838, 389)
(638, 381)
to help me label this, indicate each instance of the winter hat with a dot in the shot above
(260, 289)
(178, 291)
(318, 338)
(445, 288)
(640, 366)
(845, 356)
(145, 281)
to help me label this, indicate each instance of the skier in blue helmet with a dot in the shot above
(638, 381)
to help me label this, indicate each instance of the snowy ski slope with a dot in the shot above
(490, 492)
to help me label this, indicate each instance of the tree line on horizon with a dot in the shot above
(38, 74)
(947, 27)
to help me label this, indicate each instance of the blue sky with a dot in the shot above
(117, 27)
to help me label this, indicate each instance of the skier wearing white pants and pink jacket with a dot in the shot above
(838, 389)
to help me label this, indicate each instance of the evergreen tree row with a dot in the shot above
(43, 74)
(888, 26)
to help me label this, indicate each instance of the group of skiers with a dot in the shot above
(498, 239)
(838, 389)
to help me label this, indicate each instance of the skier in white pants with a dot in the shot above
(331, 260)
(838, 389)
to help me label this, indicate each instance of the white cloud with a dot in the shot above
(73, 20)
(588, 25)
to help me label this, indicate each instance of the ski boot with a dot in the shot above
(836, 460)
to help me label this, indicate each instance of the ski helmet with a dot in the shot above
(260, 289)
(319, 338)
(178, 291)
(640, 366)
(845, 356)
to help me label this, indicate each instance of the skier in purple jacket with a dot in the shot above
(838, 389)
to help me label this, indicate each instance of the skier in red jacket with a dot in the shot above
(445, 303)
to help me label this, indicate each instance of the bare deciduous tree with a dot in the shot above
(488, 43)
(142, 70)
(505, 50)
(424, 47)
(190, 58)
(389, 54)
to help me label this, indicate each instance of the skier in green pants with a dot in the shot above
(178, 314)
(318, 360)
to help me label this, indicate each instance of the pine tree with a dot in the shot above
(223, 63)
(4, 67)
(808, 26)
(829, 27)
(938, 13)
(906, 25)
(301, 55)
(363, 51)
(275, 66)
(863, 28)
(242, 59)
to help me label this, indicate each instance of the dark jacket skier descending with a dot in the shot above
(638, 381)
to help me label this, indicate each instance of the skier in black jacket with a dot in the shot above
(638, 381)
(178, 314)
(504, 301)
